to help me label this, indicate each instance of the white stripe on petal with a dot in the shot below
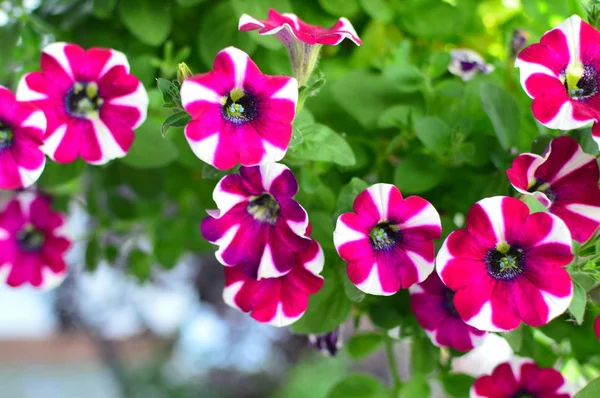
(558, 234)
(344, 234)
(556, 305)
(266, 268)
(299, 228)
(225, 200)
(4, 234)
(346, 25)
(116, 58)
(416, 289)
(138, 99)
(564, 119)
(269, 172)
(315, 266)
(432, 334)
(26, 93)
(380, 194)
(427, 216)
(587, 211)
(50, 280)
(289, 91)
(57, 51)
(372, 285)
(28, 177)
(571, 28)
(493, 209)
(229, 293)
(246, 19)
(294, 18)
(240, 61)
(483, 319)
(52, 142)
(526, 69)
(477, 339)
(205, 149)
(25, 199)
(109, 147)
(538, 160)
(223, 242)
(272, 153)
(192, 91)
(576, 161)
(516, 363)
(443, 257)
(424, 267)
(280, 319)
(37, 119)
(5, 272)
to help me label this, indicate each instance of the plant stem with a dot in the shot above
(389, 350)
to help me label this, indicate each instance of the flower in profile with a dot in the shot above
(565, 180)
(91, 102)
(433, 305)
(282, 300)
(238, 114)
(507, 266)
(22, 128)
(33, 242)
(388, 240)
(302, 41)
(467, 63)
(327, 344)
(521, 377)
(258, 227)
(560, 74)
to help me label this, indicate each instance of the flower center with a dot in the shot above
(30, 239)
(239, 106)
(449, 303)
(6, 136)
(384, 235)
(505, 262)
(524, 394)
(82, 100)
(264, 208)
(543, 187)
(580, 81)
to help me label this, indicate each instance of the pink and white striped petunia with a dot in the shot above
(433, 305)
(302, 41)
(259, 227)
(561, 74)
(388, 240)
(521, 377)
(238, 114)
(278, 301)
(90, 100)
(565, 180)
(33, 242)
(507, 266)
(22, 128)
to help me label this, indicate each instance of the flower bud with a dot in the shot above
(183, 72)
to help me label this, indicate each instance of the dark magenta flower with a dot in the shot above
(259, 227)
(388, 240)
(433, 305)
(565, 180)
(22, 128)
(327, 344)
(507, 266)
(467, 63)
(238, 114)
(91, 102)
(278, 301)
(33, 242)
(521, 378)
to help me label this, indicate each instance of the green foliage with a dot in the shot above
(503, 111)
(319, 142)
(577, 307)
(592, 390)
(358, 386)
(150, 21)
(364, 344)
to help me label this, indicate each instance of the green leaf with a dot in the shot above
(535, 206)
(56, 175)
(359, 386)
(438, 64)
(353, 293)
(503, 111)
(390, 311)
(348, 193)
(406, 78)
(577, 307)
(399, 116)
(103, 8)
(423, 20)
(417, 173)
(139, 265)
(592, 390)
(169, 243)
(178, 119)
(189, 3)
(92, 255)
(422, 355)
(170, 90)
(364, 344)
(585, 280)
(434, 133)
(457, 385)
(378, 9)
(150, 149)
(319, 142)
(417, 386)
(515, 338)
(148, 20)
(340, 7)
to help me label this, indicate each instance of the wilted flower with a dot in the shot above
(387, 240)
(565, 180)
(22, 128)
(91, 102)
(467, 63)
(518, 41)
(507, 266)
(33, 242)
(238, 114)
(327, 343)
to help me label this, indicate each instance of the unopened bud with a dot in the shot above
(183, 72)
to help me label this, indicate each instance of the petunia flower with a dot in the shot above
(259, 226)
(507, 266)
(22, 128)
(238, 114)
(328, 344)
(482, 360)
(388, 240)
(432, 303)
(278, 301)
(90, 100)
(560, 73)
(33, 242)
(565, 180)
(302, 41)
(520, 377)
(467, 63)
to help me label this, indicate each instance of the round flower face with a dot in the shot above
(32, 243)
(387, 240)
(433, 305)
(467, 63)
(565, 180)
(560, 74)
(90, 100)
(22, 128)
(278, 301)
(259, 226)
(507, 266)
(521, 378)
(238, 114)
